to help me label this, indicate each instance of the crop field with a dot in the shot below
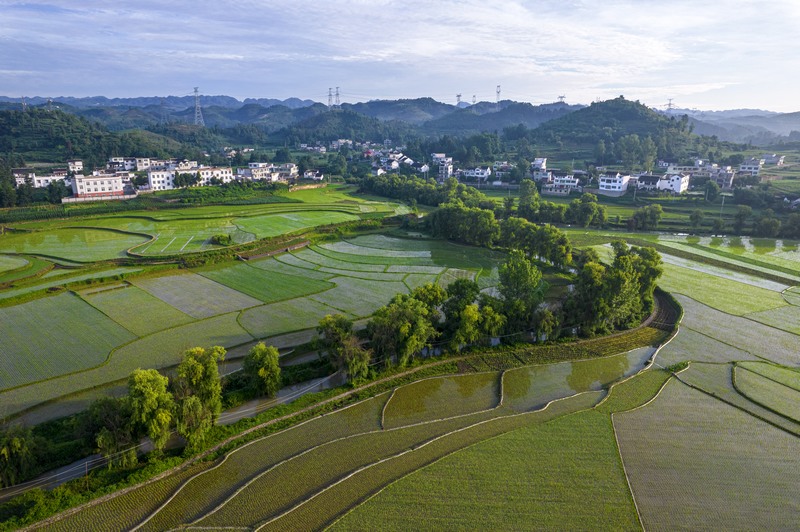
(279, 264)
(278, 224)
(158, 350)
(442, 397)
(760, 340)
(195, 295)
(692, 345)
(69, 276)
(724, 273)
(696, 463)
(359, 297)
(529, 388)
(173, 236)
(414, 280)
(314, 257)
(350, 248)
(723, 294)
(284, 316)
(766, 392)
(787, 376)
(263, 284)
(10, 263)
(785, 318)
(34, 266)
(150, 315)
(49, 337)
(74, 244)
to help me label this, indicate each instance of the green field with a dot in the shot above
(150, 315)
(53, 336)
(278, 224)
(696, 463)
(195, 295)
(762, 390)
(69, 276)
(263, 284)
(10, 263)
(692, 345)
(359, 297)
(284, 316)
(787, 376)
(785, 318)
(74, 244)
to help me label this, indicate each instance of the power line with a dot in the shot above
(198, 113)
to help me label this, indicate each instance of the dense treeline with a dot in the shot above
(424, 191)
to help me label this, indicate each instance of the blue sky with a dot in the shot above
(721, 54)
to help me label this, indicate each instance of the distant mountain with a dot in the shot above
(345, 123)
(713, 116)
(415, 111)
(485, 117)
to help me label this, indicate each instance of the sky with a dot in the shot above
(703, 54)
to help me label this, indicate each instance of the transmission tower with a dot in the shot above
(49, 104)
(162, 111)
(330, 98)
(458, 99)
(473, 99)
(561, 99)
(198, 113)
(497, 102)
(338, 104)
(24, 104)
(670, 105)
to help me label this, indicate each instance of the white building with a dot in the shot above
(751, 166)
(614, 182)
(446, 169)
(41, 181)
(675, 183)
(477, 174)
(75, 166)
(206, 174)
(316, 175)
(562, 185)
(99, 185)
(439, 158)
(773, 158)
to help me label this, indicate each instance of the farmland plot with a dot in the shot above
(724, 273)
(359, 297)
(195, 295)
(10, 263)
(204, 492)
(68, 277)
(155, 351)
(273, 264)
(269, 225)
(696, 463)
(442, 397)
(759, 340)
(784, 318)
(529, 388)
(74, 244)
(285, 316)
(136, 310)
(776, 396)
(415, 280)
(692, 345)
(309, 255)
(723, 294)
(383, 242)
(267, 286)
(787, 376)
(48, 337)
(350, 248)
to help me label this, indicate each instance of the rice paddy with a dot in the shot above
(696, 463)
(264, 284)
(74, 244)
(195, 295)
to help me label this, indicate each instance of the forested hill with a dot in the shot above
(55, 136)
(476, 119)
(610, 120)
(416, 111)
(347, 124)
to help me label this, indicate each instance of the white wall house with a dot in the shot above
(75, 166)
(614, 182)
(562, 185)
(674, 183)
(88, 186)
(41, 181)
(477, 174)
(161, 179)
(751, 166)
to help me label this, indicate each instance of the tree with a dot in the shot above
(432, 295)
(261, 366)
(522, 289)
(646, 218)
(712, 191)
(466, 329)
(528, 200)
(16, 454)
(334, 330)
(400, 330)
(545, 324)
(718, 226)
(109, 422)
(151, 405)
(356, 359)
(743, 212)
(696, 218)
(198, 391)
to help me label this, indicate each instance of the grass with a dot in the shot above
(265, 285)
(52, 336)
(774, 395)
(158, 350)
(442, 397)
(723, 294)
(74, 244)
(695, 462)
(151, 313)
(195, 295)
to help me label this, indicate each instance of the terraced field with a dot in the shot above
(74, 244)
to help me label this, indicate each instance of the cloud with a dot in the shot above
(650, 49)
